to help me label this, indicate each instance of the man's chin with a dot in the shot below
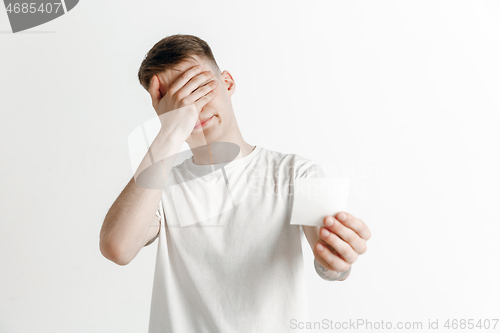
(203, 135)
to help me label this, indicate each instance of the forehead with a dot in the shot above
(175, 71)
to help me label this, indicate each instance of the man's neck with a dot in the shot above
(215, 153)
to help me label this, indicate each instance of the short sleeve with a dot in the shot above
(305, 168)
(158, 215)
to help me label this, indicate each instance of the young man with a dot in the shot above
(228, 258)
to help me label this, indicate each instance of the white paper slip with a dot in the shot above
(315, 198)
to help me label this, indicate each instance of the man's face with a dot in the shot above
(222, 126)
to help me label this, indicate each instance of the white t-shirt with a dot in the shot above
(236, 265)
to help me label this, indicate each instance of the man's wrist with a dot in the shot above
(329, 275)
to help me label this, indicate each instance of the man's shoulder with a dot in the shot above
(281, 156)
(300, 164)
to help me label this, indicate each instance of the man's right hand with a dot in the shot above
(180, 106)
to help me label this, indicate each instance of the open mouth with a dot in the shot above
(204, 122)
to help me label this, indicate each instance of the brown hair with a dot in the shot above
(170, 51)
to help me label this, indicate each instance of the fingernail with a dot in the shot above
(342, 216)
(329, 221)
(320, 247)
(325, 233)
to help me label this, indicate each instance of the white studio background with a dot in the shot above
(401, 96)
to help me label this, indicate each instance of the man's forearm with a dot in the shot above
(130, 218)
(329, 275)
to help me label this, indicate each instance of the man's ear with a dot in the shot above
(228, 81)
(162, 89)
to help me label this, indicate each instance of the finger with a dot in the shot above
(355, 224)
(205, 99)
(181, 81)
(200, 92)
(194, 84)
(331, 261)
(344, 249)
(348, 235)
(154, 91)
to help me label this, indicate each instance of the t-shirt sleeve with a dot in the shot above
(309, 169)
(158, 215)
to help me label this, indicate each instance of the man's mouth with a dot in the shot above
(203, 122)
